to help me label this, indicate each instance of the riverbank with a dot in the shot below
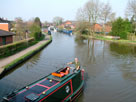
(109, 39)
(10, 62)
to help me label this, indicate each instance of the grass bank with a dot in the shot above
(25, 57)
(109, 39)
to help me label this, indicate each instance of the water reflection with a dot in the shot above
(123, 49)
(33, 61)
(108, 71)
(127, 54)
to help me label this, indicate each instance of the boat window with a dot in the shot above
(31, 97)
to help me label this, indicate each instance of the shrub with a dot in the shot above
(121, 28)
(35, 31)
(10, 49)
(82, 27)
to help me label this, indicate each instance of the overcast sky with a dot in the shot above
(47, 9)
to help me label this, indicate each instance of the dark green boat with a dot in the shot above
(52, 88)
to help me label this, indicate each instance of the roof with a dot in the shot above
(5, 33)
(4, 21)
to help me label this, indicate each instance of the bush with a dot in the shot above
(13, 48)
(35, 31)
(82, 27)
(121, 28)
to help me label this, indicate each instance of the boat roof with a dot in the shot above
(37, 89)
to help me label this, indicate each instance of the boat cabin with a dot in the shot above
(52, 88)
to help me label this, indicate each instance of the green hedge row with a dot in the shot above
(25, 57)
(13, 48)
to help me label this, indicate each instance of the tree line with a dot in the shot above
(96, 11)
(26, 29)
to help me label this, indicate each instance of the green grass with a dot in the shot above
(23, 58)
(109, 39)
(102, 38)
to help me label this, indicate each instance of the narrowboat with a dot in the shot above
(61, 86)
(67, 31)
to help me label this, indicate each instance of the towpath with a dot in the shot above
(7, 60)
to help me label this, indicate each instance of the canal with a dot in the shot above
(110, 68)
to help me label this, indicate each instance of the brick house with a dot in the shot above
(98, 28)
(70, 24)
(5, 37)
(108, 28)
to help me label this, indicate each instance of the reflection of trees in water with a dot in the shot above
(32, 61)
(85, 49)
(29, 64)
(91, 50)
(123, 49)
(80, 40)
(127, 64)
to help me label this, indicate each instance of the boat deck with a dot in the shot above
(34, 91)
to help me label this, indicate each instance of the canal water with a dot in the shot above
(110, 68)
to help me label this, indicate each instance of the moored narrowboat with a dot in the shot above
(67, 31)
(64, 85)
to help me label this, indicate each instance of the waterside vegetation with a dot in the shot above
(25, 56)
(32, 34)
(91, 14)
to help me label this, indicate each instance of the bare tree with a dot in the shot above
(29, 23)
(92, 9)
(20, 27)
(131, 8)
(131, 13)
(93, 12)
(58, 20)
(112, 17)
(105, 15)
(82, 25)
(81, 16)
(106, 12)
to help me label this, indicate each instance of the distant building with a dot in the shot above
(108, 28)
(4, 26)
(98, 28)
(69, 24)
(4, 22)
(6, 37)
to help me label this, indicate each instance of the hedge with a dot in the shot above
(13, 48)
(24, 57)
